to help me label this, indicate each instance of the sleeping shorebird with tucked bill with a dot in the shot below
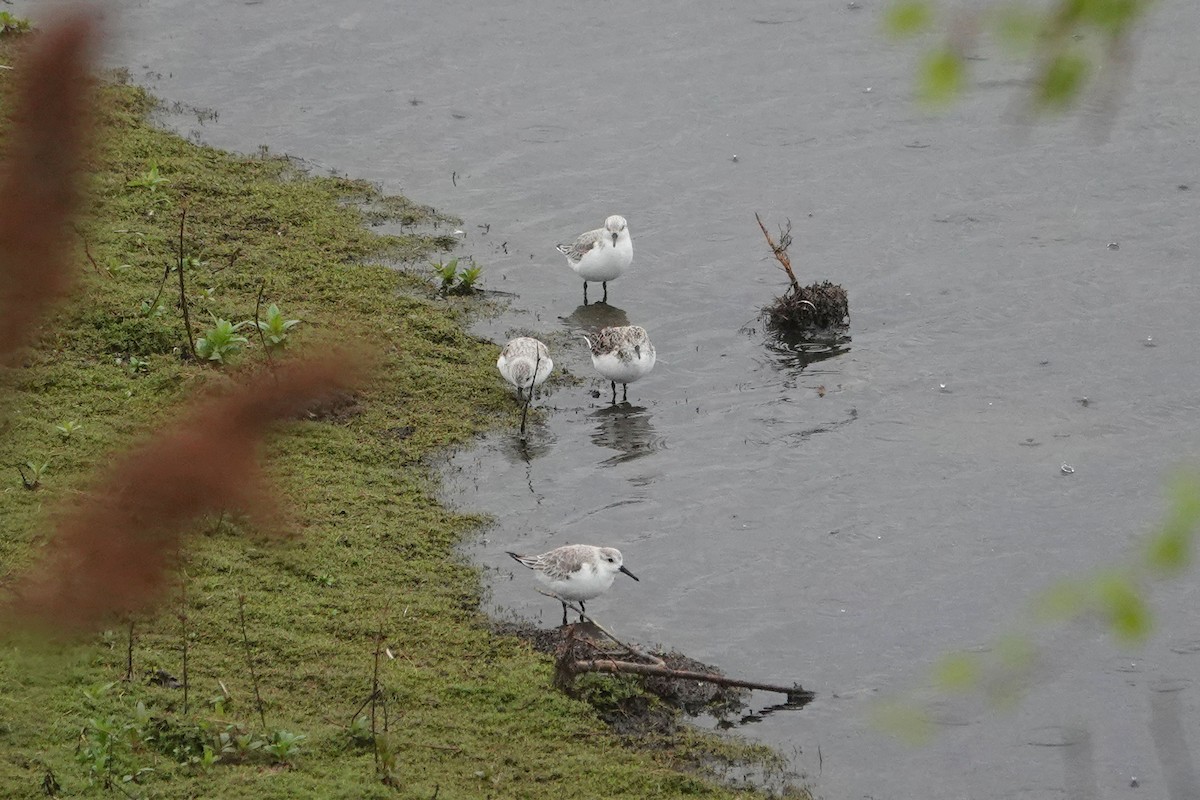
(601, 255)
(623, 355)
(525, 363)
(576, 571)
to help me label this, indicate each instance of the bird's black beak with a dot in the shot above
(614, 238)
(630, 574)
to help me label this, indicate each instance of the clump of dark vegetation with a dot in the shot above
(818, 309)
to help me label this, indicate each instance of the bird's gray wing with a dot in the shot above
(583, 245)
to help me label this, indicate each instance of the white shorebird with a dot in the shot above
(576, 571)
(601, 255)
(525, 363)
(623, 355)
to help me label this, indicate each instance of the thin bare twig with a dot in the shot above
(628, 647)
(129, 654)
(183, 620)
(183, 303)
(794, 693)
(537, 361)
(87, 251)
(780, 250)
(659, 668)
(262, 717)
(262, 287)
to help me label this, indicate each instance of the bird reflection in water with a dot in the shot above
(591, 318)
(625, 428)
(525, 449)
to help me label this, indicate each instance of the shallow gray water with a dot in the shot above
(848, 540)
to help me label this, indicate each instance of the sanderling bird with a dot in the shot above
(576, 571)
(601, 255)
(525, 363)
(622, 354)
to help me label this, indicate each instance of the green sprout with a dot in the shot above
(67, 428)
(275, 327)
(221, 340)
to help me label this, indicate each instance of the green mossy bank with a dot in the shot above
(469, 714)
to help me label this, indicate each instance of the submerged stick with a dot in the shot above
(537, 362)
(795, 693)
(780, 250)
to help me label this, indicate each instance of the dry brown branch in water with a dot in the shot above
(39, 186)
(112, 553)
(780, 250)
(570, 662)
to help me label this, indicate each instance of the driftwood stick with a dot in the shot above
(628, 647)
(795, 693)
(780, 251)
(659, 669)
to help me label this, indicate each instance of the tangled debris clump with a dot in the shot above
(656, 682)
(818, 308)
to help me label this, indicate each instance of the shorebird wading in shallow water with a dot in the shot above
(601, 255)
(576, 571)
(622, 354)
(525, 363)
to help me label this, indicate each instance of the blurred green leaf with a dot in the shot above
(941, 76)
(1111, 15)
(957, 672)
(904, 721)
(908, 17)
(1062, 601)
(1015, 652)
(1122, 606)
(1170, 550)
(1016, 26)
(1062, 80)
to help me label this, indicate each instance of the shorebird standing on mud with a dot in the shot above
(525, 363)
(576, 571)
(601, 255)
(623, 355)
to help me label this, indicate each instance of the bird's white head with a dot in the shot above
(615, 225)
(612, 561)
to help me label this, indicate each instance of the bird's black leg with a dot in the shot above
(605, 298)
(585, 293)
(624, 392)
(581, 611)
(614, 400)
(564, 612)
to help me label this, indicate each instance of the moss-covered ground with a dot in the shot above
(468, 713)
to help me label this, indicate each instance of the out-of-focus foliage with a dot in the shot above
(1119, 598)
(1066, 42)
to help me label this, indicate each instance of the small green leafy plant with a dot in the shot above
(455, 280)
(32, 478)
(150, 179)
(275, 327)
(221, 341)
(284, 745)
(12, 24)
(468, 278)
(67, 428)
(446, 273)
